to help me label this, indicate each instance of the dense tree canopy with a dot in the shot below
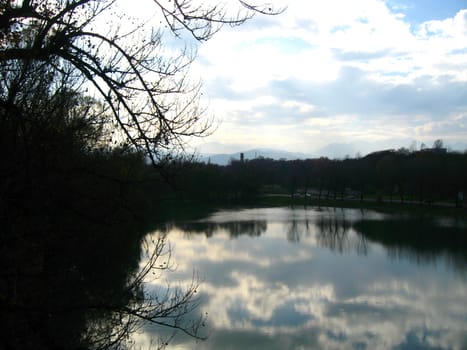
(425, 176)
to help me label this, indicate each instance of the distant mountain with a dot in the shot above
(332, 151)
(338, 150)
(224, 159)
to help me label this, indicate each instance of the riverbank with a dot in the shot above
(441, 208)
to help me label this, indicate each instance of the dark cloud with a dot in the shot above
(354, 93)
(245, 339)
(419, 339)
(283, 316)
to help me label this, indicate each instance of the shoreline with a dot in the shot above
(440, 208)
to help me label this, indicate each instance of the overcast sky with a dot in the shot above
(370, 72)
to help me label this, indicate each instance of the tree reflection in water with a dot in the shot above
(234, 229)
(322, 279)
(84, 287)
(343, 231)
(337, 234)
(419, 239)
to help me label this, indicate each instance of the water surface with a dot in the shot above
(283, 278)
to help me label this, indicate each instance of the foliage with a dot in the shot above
(123, 60)
(73, 214)
(88, 98)
(423, 176)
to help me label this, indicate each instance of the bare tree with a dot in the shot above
(96, 60)
(124, 60)
(171, 307)
(43, 138)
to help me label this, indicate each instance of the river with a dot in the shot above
(320, 278)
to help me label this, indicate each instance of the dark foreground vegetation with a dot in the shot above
(92, 111)
(73, 216)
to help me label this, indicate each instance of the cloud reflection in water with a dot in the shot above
(294, 278)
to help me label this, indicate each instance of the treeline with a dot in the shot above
(427, 175)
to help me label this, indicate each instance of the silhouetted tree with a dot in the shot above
(83, 104)
(438, 144)
(424, 175)
(69, 203)
(123, 60)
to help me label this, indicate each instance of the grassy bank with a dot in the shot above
(394, 207)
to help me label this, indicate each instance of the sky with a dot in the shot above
(369, 74)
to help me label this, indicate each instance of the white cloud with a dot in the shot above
(455, 27)
(299, 106)
(295, 75)
(294, 69)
